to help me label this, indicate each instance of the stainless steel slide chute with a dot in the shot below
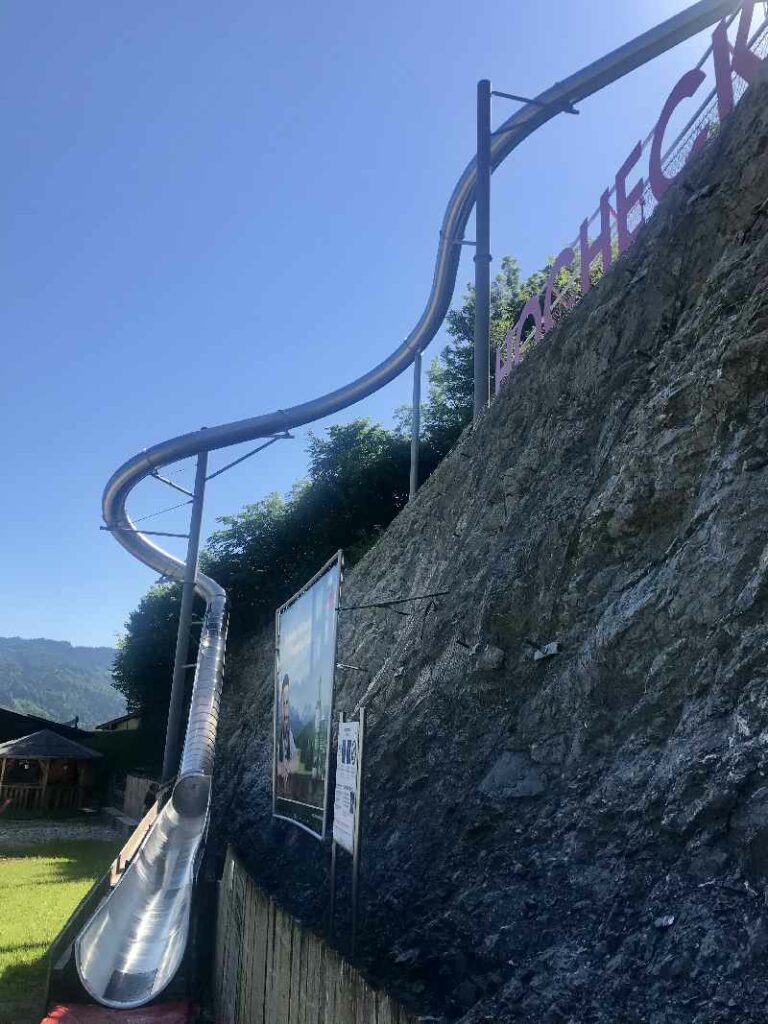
(134, 943)
(132, 946)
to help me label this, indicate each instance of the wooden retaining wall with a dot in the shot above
(269, 969)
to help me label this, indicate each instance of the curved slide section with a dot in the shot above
(133, 944)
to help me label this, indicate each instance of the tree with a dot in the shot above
(448, 409)
(145, 652)
(143, 667)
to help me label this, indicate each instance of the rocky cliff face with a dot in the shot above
(582, 837)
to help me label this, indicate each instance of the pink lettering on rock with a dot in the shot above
(685, 88)
(627, 201)
(601, 245)
(531, 311)
(738, 59)
(565, 259)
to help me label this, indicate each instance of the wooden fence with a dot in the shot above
(269, 969)
(26, 797)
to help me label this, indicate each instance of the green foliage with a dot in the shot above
(144, 661)
(130, 750)
(142, 672)
(358, 482)
(55, 680)
(448, 409)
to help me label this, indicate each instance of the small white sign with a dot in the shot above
(345, 800)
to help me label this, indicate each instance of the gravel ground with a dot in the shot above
(30, 833)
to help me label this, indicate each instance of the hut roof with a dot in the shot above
(46, 744)
(14, 724)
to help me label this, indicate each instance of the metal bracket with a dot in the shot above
(145, 533)
(170, 483)
(564, 105)
(279, 437)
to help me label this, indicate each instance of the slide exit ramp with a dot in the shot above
(132, 946)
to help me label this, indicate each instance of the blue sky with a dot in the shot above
(214, 210)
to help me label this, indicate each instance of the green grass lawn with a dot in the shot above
(39, 889)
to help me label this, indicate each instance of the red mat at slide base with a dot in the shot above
(167, 1013)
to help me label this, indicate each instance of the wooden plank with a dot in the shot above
(237, 936)
(260, 953)
(365, 1001)
(276, 948)
(357, 991)
(345, 999)
(313, 994)
(269, 988)
(256, 988)
(259, 918)
(283, 949)
(244, 985)
(221, 941)
(246, 958)
(307, 943)
(233, 952)
(320, 959)
(226, 980)
(296, 994)
(387, 1010)
(329, 976)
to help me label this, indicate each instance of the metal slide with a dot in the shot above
(133, 944)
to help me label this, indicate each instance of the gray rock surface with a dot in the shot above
(513, 775)
(619, 504)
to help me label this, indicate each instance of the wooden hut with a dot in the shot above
(45, 772)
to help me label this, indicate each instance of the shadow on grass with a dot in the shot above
(22, 990)
(66, 860)
(13, 814)
(17, 948)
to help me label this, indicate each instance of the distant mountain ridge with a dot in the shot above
(53, 679)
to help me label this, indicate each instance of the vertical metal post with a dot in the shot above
(358, 828)
(415, 427)
(332, 901)
(176, 706)
(482, 365)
